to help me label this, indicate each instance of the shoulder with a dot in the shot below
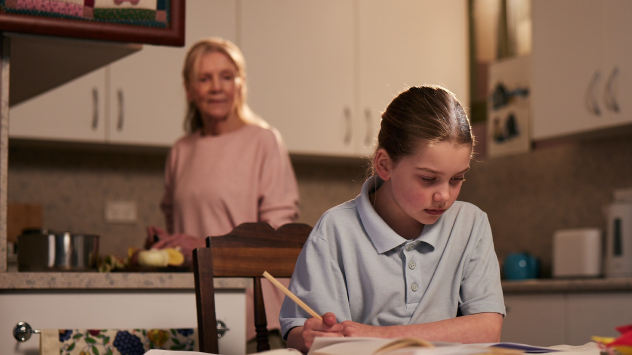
(184, 143)
(338, 220)
(463, 209)
(265, 134)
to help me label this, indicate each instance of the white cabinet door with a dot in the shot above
(617, 88)
(568, 67)
(408, 43)
(74, 111)
(300, 71)
(147, 99)
(535, 319)
(597, 314)
(155, 309)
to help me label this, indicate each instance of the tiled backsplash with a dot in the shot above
(527, 197)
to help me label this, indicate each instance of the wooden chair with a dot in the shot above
(247, 251)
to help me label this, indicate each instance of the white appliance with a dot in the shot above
(577, 253)
(618, 251)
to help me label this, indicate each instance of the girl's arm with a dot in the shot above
(475, 328)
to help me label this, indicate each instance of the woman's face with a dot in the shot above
(214, 87)
(424, 185)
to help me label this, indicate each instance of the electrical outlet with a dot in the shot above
(120, 212)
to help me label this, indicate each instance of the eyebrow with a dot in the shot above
(439, 173)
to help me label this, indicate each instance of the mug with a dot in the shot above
(521, 266)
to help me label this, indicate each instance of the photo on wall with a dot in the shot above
(508, 107)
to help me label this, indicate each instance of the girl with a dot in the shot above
(404, 258)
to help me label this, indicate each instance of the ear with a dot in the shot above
(383, 164)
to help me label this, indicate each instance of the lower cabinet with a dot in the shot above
(535, 319)
(155, 309)
(565, 318)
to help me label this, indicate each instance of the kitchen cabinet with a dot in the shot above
(300, 58)
(582, 65)
(138, 100)
(116, 309)
(322, 73)
(535, 319)
(547, 319)
(596, 314)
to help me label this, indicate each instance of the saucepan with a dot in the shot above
(44, 250)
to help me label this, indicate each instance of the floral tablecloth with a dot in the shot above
(115, 341)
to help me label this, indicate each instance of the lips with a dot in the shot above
(435, 212)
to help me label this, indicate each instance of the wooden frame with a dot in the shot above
(172, 35)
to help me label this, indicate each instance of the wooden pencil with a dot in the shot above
(291, 295)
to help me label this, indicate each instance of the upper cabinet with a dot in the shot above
(322, 72)
(582, 66)
(138, 100)
(300, 57)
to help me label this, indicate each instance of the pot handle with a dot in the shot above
(23, 331)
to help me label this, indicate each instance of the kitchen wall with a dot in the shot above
(527, 197)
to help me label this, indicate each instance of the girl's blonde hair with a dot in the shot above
(422, 115)
(193, 120)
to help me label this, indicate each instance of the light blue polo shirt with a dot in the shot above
(354, 265)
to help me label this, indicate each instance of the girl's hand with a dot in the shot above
(327, 327)
(354, 329)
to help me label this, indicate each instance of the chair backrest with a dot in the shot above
(247, 251)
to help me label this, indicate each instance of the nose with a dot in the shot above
(442, 194)
(216, 85)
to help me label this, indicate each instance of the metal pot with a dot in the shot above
(43, 250)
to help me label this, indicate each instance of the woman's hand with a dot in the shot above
(354, 329)
(302, 338)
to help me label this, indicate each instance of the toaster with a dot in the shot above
(577, 253)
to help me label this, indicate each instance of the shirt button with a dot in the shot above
(411, 265)
(410, 247)
(414, 287)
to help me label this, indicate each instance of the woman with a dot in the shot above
(230, 168)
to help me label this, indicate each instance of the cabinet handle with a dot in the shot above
(95, 108)
(611, 100)
(591, 102)
(119, 124)
(347, 138)
(369, 127)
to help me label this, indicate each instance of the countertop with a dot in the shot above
(567, 285)
(184, 281)
(109, 281)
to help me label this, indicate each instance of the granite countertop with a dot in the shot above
(567, 285)
(109, 281)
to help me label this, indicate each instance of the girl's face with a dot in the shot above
(214, 87)
(421, 187)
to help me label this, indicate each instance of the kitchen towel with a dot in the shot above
(115, 341)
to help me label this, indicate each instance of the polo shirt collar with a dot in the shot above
(383, 237)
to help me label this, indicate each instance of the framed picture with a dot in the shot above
(158, 22)
(508, 107)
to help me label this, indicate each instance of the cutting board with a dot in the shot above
(21, 216)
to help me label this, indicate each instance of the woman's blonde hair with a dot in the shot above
(193, 120)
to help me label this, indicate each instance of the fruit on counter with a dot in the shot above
(111, 262)
(153, 257)
(176, 258)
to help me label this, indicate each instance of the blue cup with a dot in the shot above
(521, 266)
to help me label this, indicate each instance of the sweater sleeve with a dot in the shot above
(278, 194)
(166, 205)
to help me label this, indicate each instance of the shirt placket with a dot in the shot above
(413, 279)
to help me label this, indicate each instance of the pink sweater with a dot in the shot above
(215, 183)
